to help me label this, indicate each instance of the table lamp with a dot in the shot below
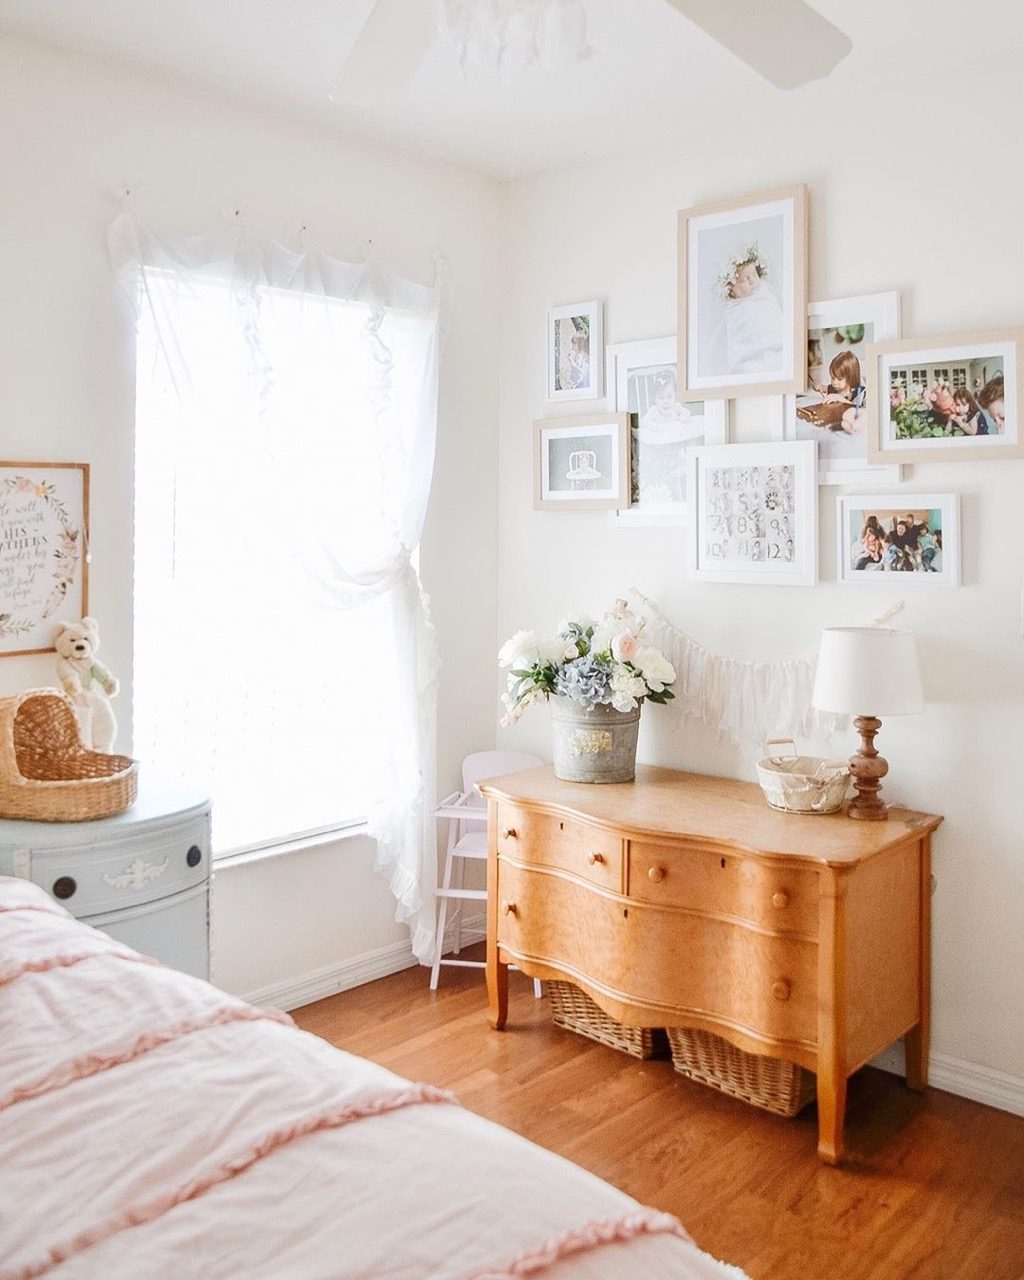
(868, 672)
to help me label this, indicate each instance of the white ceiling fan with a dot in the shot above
(785, 41)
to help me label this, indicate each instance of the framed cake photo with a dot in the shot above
(743, 296)
(642, 380)
(946, 399)
(581, 463)
(833, 408)
(753, 513)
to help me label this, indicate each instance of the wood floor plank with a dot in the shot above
(933, 1187)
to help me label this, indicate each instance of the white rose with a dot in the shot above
(626, 689)
(656, 668)
(520, 652)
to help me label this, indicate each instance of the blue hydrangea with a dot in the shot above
(586, 680)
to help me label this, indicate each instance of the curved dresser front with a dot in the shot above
(681, 900)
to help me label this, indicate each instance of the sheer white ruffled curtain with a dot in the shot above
(330, 370)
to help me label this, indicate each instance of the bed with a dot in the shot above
(152, 1126)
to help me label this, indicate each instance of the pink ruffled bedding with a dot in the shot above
(154, 1127)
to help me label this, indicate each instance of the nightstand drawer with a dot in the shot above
(776, 897)
(544, 840)
(91, 880)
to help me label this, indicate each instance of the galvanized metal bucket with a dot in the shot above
(594, 746)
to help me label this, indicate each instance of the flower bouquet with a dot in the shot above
(599, 674)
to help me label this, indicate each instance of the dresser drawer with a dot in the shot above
(771, 896)
(564, 844)
(90, 880)
(672, 965)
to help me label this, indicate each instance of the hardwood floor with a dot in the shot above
(933, 1187)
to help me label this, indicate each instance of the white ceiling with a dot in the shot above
(653, 74)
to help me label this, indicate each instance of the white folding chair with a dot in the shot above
(466, 815)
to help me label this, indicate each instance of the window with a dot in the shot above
(253, 467)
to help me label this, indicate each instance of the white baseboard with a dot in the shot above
(965, 1079)
(317, 984)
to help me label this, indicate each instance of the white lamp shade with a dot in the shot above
(868, 671)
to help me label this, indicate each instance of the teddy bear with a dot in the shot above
(87, 682)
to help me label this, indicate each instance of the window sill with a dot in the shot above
(280, 850)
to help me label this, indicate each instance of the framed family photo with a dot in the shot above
(581, 463)
(889, 537)
(833, 408)
(44, 540)
(576, 351)
(942, 399)
(642, 380)
(753, 513)
(743, 295)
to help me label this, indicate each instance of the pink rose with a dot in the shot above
(624, 647)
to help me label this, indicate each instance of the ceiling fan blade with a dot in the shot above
(786, 41)
(387, 54)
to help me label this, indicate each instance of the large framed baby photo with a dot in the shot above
(753, 513)
(945, 399)
(642, 380)
(833, 408)
(581, 463)
(576, 351)
(743, 295)
(897, 538)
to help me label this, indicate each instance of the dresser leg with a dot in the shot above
(915, 1047)
(831, 1114)
(497, 991)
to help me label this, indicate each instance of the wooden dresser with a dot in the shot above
(680, 900)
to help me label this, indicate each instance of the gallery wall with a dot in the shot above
(943, 229)
(72, 131)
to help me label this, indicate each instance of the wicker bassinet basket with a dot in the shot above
(781, 1087)
(574, 1010)
(46, 774)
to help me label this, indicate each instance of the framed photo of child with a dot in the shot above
(833, 408)
(878, 541)
(743, 295)
(576, 351)
(753, 513)
(642, 380)
(940, 399)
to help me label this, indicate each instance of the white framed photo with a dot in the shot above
(833, 409)
(581, 463)
(642, 380)
(743, 295)
(897, 538)
(945, 399)
(753, 513)
(576, 351)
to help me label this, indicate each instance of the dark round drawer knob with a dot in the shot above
(64, 887)
(194, 856)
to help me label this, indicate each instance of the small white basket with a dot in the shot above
(801, 784)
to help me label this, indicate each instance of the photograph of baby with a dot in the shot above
(572, 353)
(662, 428)
(833, 411)
(750, 515)
(894, 540)
(946, 399)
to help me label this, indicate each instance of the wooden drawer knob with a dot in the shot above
(64, 887)
(594, 858)
(780, 899)
(781, 989)
(509, 833)
(510, 908)
(657, 874)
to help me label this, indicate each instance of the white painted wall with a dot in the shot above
(70, 132)
(948, 237)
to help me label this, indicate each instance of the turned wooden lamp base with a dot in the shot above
(868, 769)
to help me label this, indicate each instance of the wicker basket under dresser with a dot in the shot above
(143, 876)
(681, 900)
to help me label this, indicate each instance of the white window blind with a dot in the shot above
(248, 681)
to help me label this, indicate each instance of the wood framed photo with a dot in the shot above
(576, 351)
(753, 513)
(945, 399)
(44, 536)
(833, 408)
(642, 380)
(743, 295)
(581, 463)
(898, 538)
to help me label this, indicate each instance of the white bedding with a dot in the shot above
(152, 1127)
